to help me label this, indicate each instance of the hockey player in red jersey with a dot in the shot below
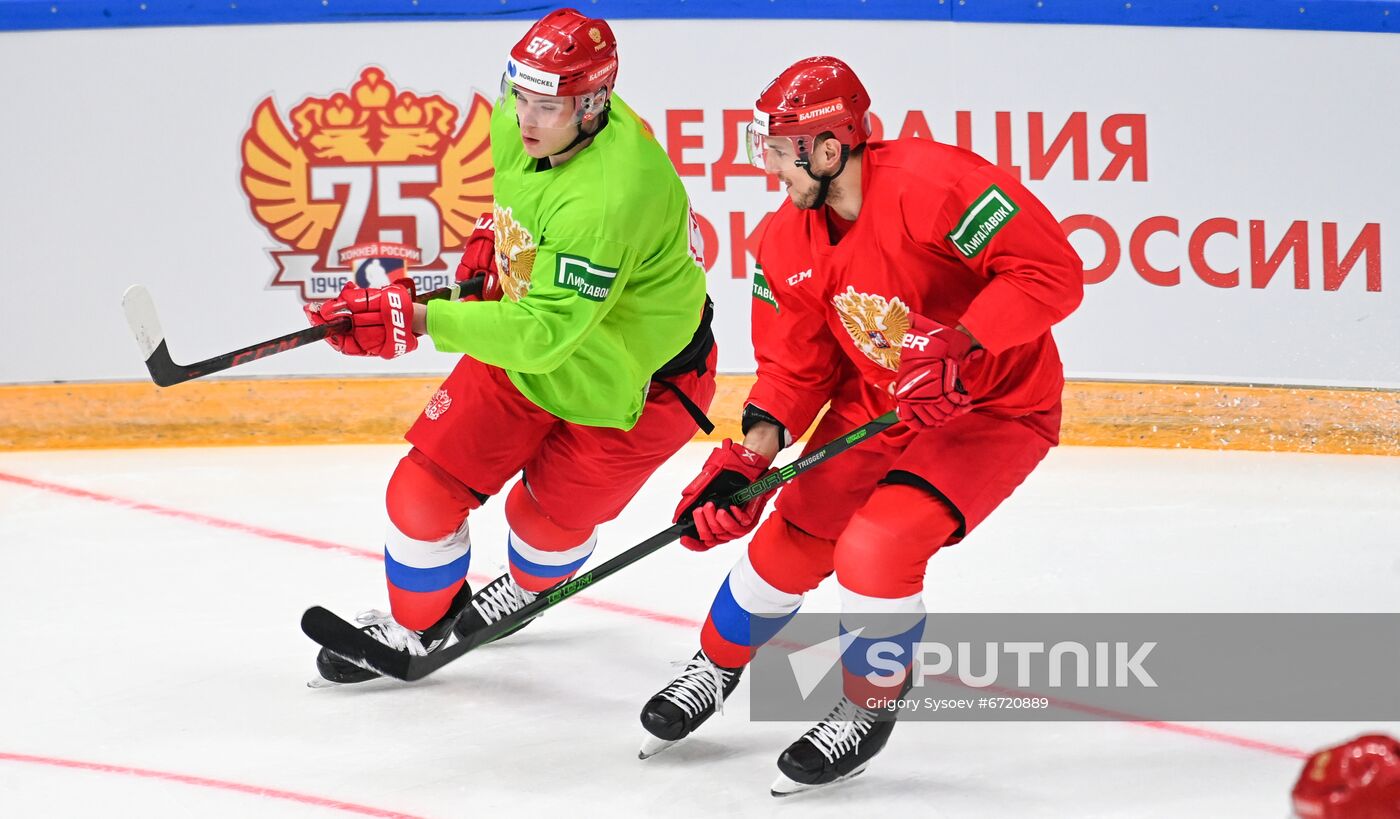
(906, 275)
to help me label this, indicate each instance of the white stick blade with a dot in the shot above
(141, 317)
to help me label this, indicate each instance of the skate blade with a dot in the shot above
(322, 682)
(782, 786)
(653, 746)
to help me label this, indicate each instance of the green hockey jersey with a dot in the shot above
(598, 265)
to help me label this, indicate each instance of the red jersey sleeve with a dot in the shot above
(1001, 231)
(798, 360)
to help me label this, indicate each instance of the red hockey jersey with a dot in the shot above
(941, 232)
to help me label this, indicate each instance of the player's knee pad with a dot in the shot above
(425, 502)
(531, 524)
(884, 550)
(542, 551)
(789, 559)
(427, 549)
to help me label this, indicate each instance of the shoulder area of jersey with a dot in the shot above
(923, 157)
(924, 174)
(622, 116)
(631, 161)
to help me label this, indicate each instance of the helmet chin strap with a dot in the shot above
(823, 182)
(581, 136)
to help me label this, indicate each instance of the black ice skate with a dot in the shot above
(692, 697)
(837, 748)
(336, 670)
(497, 600)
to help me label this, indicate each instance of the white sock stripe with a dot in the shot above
(427, 554)
(901, 613)
(563, 558)
(756, 595)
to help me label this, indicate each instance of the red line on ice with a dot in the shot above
(205, 782)
(193, 517)
(591, 602)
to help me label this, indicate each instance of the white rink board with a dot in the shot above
(121, 164)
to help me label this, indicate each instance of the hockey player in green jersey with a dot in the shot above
(588, 360)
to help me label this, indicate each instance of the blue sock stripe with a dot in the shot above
(858, 656)
(764, 628)
(413, 579)
(740, 626)
(730, 619)
(541, 570)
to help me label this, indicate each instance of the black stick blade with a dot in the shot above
(346, 640)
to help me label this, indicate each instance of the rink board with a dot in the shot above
(378, 410)
(1230, 194)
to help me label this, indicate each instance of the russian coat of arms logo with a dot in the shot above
(877, 325)
(367, 184)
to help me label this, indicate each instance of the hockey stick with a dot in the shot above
(145, 325)
(346, 640)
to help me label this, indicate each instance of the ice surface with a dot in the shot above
(151, 599)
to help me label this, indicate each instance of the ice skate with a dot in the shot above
(336, 670)
(691, 698)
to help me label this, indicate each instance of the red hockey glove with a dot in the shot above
(381, 319)
(729, 468)
(927, 386)
(479, 259)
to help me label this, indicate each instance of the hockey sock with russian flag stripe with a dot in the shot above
(879, 653)
(543, 552)
(424, 575)
(746, 613)
(536, 569)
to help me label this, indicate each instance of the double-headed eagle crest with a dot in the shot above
(877, 326)
(515, 254)
(375, 125)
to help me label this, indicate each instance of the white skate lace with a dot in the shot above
(699, 684)
(384, 628)
(501, 598)
(842, 730)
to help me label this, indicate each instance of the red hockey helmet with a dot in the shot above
(565, 54)
(812, 97)
(1356, 780)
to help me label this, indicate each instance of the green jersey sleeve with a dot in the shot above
(574, 283)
